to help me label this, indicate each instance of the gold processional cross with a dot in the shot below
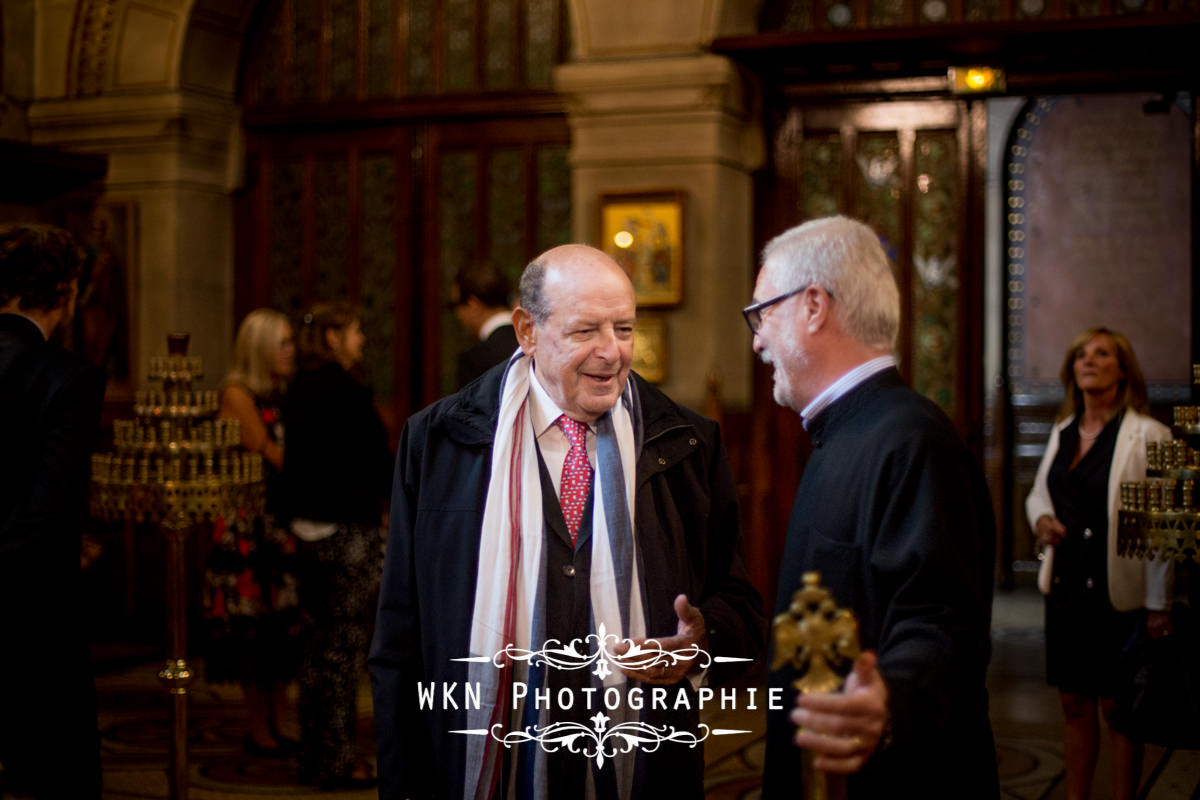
(819, 641)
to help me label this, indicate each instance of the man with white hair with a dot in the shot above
(558, 504)
(893, 512)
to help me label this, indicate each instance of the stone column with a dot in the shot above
(168, 158)
(151, 87)
(650, 110)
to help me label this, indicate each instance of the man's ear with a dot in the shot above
(332, 340)
(815, 307)
(526, 330)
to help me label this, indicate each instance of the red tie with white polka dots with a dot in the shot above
(576, 475)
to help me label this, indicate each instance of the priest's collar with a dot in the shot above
(844, 384)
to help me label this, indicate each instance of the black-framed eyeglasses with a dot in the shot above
(754, 313)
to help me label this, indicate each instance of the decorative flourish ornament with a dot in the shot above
(572, 656)
(600, 742)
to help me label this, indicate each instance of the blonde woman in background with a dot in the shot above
(250, 584)
(1098, 441)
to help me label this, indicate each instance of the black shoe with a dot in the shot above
(255, 749)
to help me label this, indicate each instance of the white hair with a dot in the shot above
(844, 257)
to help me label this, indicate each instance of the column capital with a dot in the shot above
(697, 108)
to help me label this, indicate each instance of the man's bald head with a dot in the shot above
(576, 319)
(576, 264)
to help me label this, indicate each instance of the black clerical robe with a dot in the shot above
(894, 513)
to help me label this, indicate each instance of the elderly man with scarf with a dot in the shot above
(558, 503)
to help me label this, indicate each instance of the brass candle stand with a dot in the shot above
(819, 641)
(1159, 518)
(175, 465)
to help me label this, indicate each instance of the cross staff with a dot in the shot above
(820, 641)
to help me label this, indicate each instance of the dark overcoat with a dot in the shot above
(50, 403)
(688, 541)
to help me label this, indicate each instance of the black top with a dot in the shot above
(337, 466)
(1080, 498)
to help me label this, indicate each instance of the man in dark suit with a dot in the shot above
(622, 511)
(49, 411)
(893, 512)
(480, 297)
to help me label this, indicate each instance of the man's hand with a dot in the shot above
(691, 630)
(844, 728)
(1049, 530)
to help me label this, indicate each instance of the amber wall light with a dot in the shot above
(975, 80)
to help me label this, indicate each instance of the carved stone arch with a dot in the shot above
(119, 46)
(214, 45)
(631, 28)
(122, 46)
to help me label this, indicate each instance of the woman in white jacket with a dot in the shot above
(1092, 594)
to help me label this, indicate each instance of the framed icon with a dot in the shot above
(650, 348)
(643, 232)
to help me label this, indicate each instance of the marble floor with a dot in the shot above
(1025, 718)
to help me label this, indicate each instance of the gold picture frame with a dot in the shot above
(643, 232)
(650, 348)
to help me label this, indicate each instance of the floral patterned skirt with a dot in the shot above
(251, 602)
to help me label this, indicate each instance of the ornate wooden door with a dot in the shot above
(910, 169)
(389, 143)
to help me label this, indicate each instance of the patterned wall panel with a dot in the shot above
(904, 181)
(379, 268)
(553, 197)
(331, 209)
(460, 44)
(798, 17)
(306, 36)
(266, 83)
(877, 178)
(420, 47)
(821, 180)
(886, 13)
(457, 178)
(343, 47)
(506, 208)
(935, 279)
(381, 48)
(546, 31)
(982, 10)
(500, 70)
(287, 209)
